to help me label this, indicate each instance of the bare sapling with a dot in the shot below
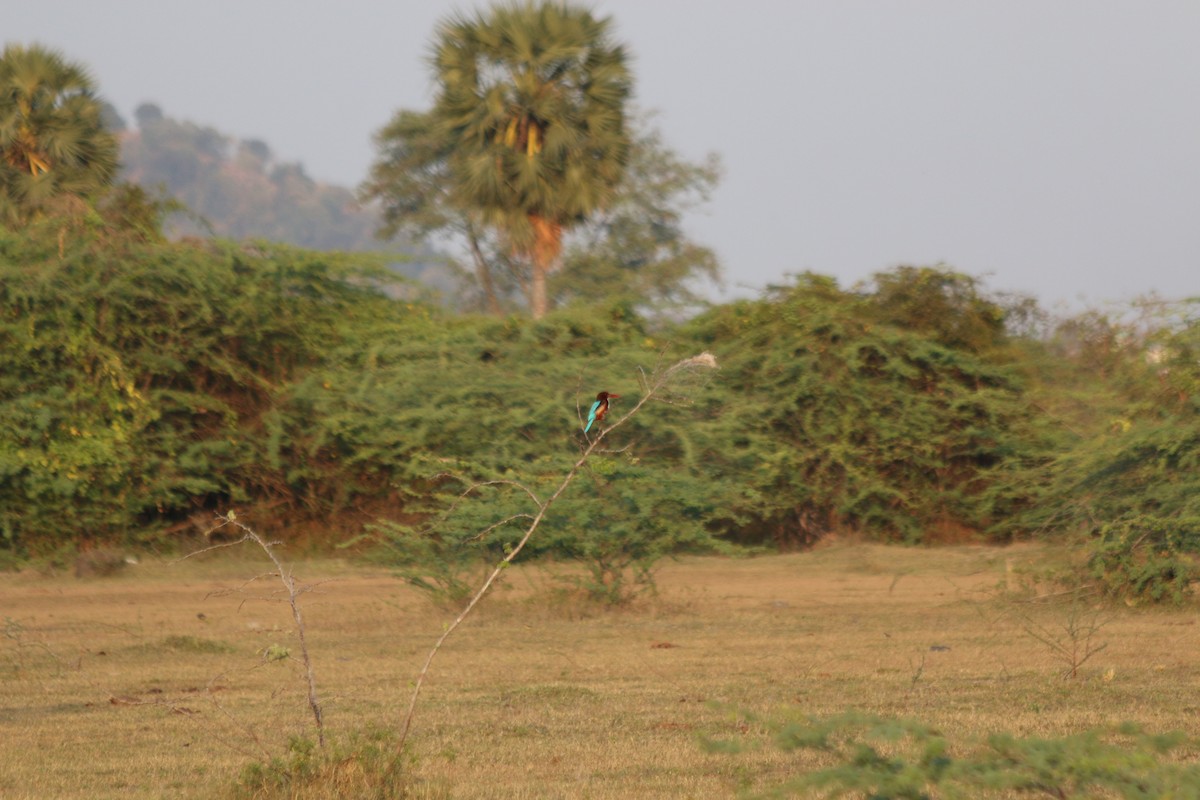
(293, 590)
(654, 386)
(1072, 641)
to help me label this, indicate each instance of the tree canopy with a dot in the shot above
(53, 142)
(527, 134)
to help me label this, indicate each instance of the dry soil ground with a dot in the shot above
(154, 683)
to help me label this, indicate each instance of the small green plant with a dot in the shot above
(863, 755)
(195, 644)
(276, 652)
(364, 766)
(628, 521)
(442, 566)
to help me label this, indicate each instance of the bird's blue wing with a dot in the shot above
(591, 416)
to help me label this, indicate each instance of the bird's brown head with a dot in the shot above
(607, 396)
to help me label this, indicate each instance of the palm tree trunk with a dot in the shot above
(537, 292)
(547, 246)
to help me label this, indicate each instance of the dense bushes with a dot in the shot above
(844, 415)
(442, 405)
(135, 376)
(141, 381)
(1120, 395)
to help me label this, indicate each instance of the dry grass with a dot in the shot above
(149, 685)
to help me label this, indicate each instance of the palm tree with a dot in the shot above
(531, 108)
(52, 138)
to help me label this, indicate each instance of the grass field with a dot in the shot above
(153, 683)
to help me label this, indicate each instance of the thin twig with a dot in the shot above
(249, 731)
(499, 524)
(242, 588)
(475, 486)
(1074, 646)
(210, 548)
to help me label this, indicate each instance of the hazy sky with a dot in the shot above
(1047, 146)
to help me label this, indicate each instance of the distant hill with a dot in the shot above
(237, 189)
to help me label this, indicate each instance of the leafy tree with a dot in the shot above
(147, 114)
(412, 181)
(636, 248)
(937, 301)
(527, 135)
(53, 141)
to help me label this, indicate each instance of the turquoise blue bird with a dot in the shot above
(599, 409)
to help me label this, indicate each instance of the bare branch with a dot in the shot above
(210, 548)
(659, 380)
(242, 588)
(517, 484)
(293, 593)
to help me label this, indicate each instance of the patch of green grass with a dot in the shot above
(365, 766)
(194, 644)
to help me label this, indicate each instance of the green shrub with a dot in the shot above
(841, 411)
(135, 375)
(618, 521)
(1147, 558)
(1126, 477)
(364, 766)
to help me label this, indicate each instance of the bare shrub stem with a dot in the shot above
(293, 594)
(652, 387)
(1074, 645)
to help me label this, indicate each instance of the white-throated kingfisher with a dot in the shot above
(599, 409)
